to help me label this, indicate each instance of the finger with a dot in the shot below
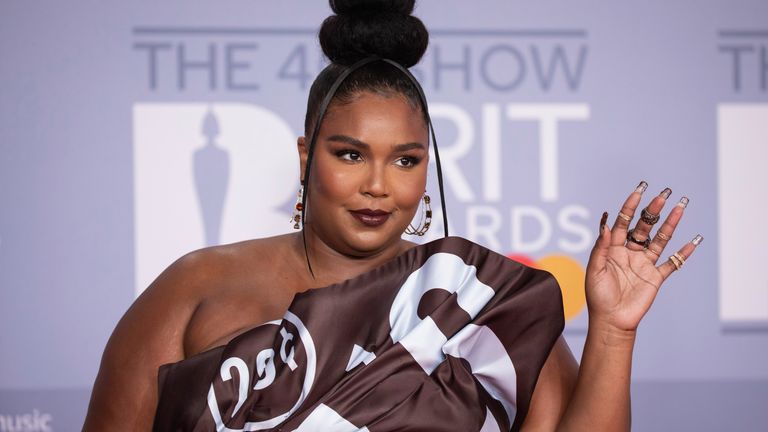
(621, 224)
(685, 252)
(603, 242)
(643, 229)
(665, 232)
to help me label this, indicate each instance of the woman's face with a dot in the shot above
(368, 175)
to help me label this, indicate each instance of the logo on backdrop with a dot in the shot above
(35, 421)
(200, 179)
(530, 229)
(742, 129)
(206, 174)
(746, 56)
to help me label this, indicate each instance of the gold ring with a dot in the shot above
(658, 254)
(662, 236)
(675, 261)
(625, 217)
(680, 257)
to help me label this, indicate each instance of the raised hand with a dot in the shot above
(622, 276)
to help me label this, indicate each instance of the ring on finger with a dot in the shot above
(677, 260)
(648, 217)
(643, 243)
(625, 217)
(654, 251)
(663, 236)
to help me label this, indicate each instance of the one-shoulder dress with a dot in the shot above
(448, 336)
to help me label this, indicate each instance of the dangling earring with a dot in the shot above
(296, 219)
(426, 219)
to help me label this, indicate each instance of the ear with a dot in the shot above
(301, 145)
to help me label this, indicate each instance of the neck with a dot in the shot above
(331, 266)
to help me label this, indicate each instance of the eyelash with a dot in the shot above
(412, 161)
(343, 155)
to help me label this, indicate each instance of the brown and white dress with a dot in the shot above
(448, 336)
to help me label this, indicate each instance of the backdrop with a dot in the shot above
(134, 132)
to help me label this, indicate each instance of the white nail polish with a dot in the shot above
(683, 202)
(697, 240)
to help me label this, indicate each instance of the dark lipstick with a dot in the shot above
(370, 217)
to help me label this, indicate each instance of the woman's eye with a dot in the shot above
(349, 155)
(407, 161)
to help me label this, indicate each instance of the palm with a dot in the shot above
(623, 277)
(624, 288)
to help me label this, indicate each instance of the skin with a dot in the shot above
(371, 153)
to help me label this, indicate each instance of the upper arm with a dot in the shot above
(553, 390)
(150, 334)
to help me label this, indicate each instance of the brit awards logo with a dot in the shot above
(206, 174)
(742, 134)
(222, 172)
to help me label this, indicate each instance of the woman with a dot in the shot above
(364, 164)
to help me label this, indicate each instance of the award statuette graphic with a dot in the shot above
(211, 170)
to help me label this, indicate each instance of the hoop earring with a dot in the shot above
(426, 219)
(296, 219)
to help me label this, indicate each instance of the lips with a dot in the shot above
(370, 217)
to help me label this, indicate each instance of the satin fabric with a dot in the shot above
(448, 336)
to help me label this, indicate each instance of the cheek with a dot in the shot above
(410, 190)
(333, 180)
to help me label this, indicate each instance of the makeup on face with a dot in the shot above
(369, 173)
(370, 217)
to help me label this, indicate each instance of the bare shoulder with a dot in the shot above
(245, 284)
(217, 270)
(154, 329)
(211, 269)
(220, 291)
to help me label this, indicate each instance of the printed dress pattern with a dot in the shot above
(448, 336)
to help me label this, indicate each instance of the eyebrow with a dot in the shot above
(359, 144)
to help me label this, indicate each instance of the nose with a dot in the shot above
(375, 184)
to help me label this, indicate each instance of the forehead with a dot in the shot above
(375, 114)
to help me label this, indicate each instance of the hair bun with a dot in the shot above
(362, 28)
(370, 7)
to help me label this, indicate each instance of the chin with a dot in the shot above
(370, 241)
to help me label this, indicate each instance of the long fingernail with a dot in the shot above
(666, 193)
(603, 219)
(683, 202)
(697, 240)
(641, 187)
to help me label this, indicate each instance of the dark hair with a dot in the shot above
(364, 28)
(371, 45)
